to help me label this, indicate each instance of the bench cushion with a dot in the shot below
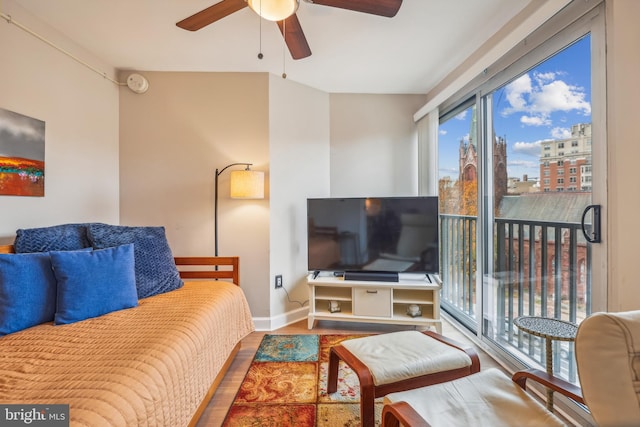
(488, 398)
(402, 355)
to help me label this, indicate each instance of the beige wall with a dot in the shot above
(299, 148)
(174, 136)
(172, 139)
(80, 110)
(623, 139)
(374, 145)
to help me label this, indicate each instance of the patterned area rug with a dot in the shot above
(286, 386)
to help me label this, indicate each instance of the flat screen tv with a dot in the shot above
(377, 234)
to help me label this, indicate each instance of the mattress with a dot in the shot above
(151, 365)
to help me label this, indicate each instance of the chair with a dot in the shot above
(399, 361)
(608, 359)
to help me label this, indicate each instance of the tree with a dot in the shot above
(458, 197)
(469, 199)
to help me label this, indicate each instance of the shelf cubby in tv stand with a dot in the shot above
(374, 302)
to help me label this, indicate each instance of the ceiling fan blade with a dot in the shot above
(211, 14)
(387, 8)
(294, 37)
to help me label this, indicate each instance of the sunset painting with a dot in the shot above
(21, 155)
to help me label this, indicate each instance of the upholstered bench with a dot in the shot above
(399, 361)
(489, 398)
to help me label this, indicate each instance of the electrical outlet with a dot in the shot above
(278, 281)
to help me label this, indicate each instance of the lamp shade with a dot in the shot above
(247, 184)
(274, 10)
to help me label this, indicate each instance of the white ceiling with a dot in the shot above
(351, 52)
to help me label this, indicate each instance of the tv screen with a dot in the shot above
(389, 234)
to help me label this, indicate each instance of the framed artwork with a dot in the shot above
(21, 155)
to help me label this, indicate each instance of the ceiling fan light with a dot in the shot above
(274, 10)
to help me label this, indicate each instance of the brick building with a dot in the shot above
(561, 238)
(565, 164)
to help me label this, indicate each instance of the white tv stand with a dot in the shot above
(375, 302)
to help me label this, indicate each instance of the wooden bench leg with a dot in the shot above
(367, 388)
(334, 363)
(367, 405)
(389, 418)
(401, 413)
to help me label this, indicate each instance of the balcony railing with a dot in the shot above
(541, 268)
(458, 264)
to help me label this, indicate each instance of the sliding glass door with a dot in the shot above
(521, 164)
(539, 139)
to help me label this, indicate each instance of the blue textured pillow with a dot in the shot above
(94, 283)
(65, 237)
(156, 270)
(27, 291)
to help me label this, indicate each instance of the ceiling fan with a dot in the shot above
(290, 26)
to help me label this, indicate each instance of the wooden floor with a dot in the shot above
(217, 409)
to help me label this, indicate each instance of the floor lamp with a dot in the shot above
(245, 184)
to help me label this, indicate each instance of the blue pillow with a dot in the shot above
(65, 237)
(156, 271)
(27, 291)
(94, 283)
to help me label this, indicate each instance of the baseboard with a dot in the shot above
(281, 320)
(262, 323)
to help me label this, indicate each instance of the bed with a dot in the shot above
(157, 364)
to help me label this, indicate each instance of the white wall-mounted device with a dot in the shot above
(137, 83)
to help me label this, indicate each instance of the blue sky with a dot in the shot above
(540, 105)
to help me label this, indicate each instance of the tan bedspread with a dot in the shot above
(147, 366)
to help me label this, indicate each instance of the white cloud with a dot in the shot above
(542, 78)
(443, 132)
(524, 164)
(527, 148)
(515, 92)
(535, 120)
(559, 96)
(543, 95)
(560, 133)
(462, 115)
(448, 171)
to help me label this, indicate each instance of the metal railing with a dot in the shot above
(458, 264)
(542, 268)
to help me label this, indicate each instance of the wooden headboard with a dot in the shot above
(193, 267)
(201, 268)
(6, 249)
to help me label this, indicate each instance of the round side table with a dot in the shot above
(549, 329)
